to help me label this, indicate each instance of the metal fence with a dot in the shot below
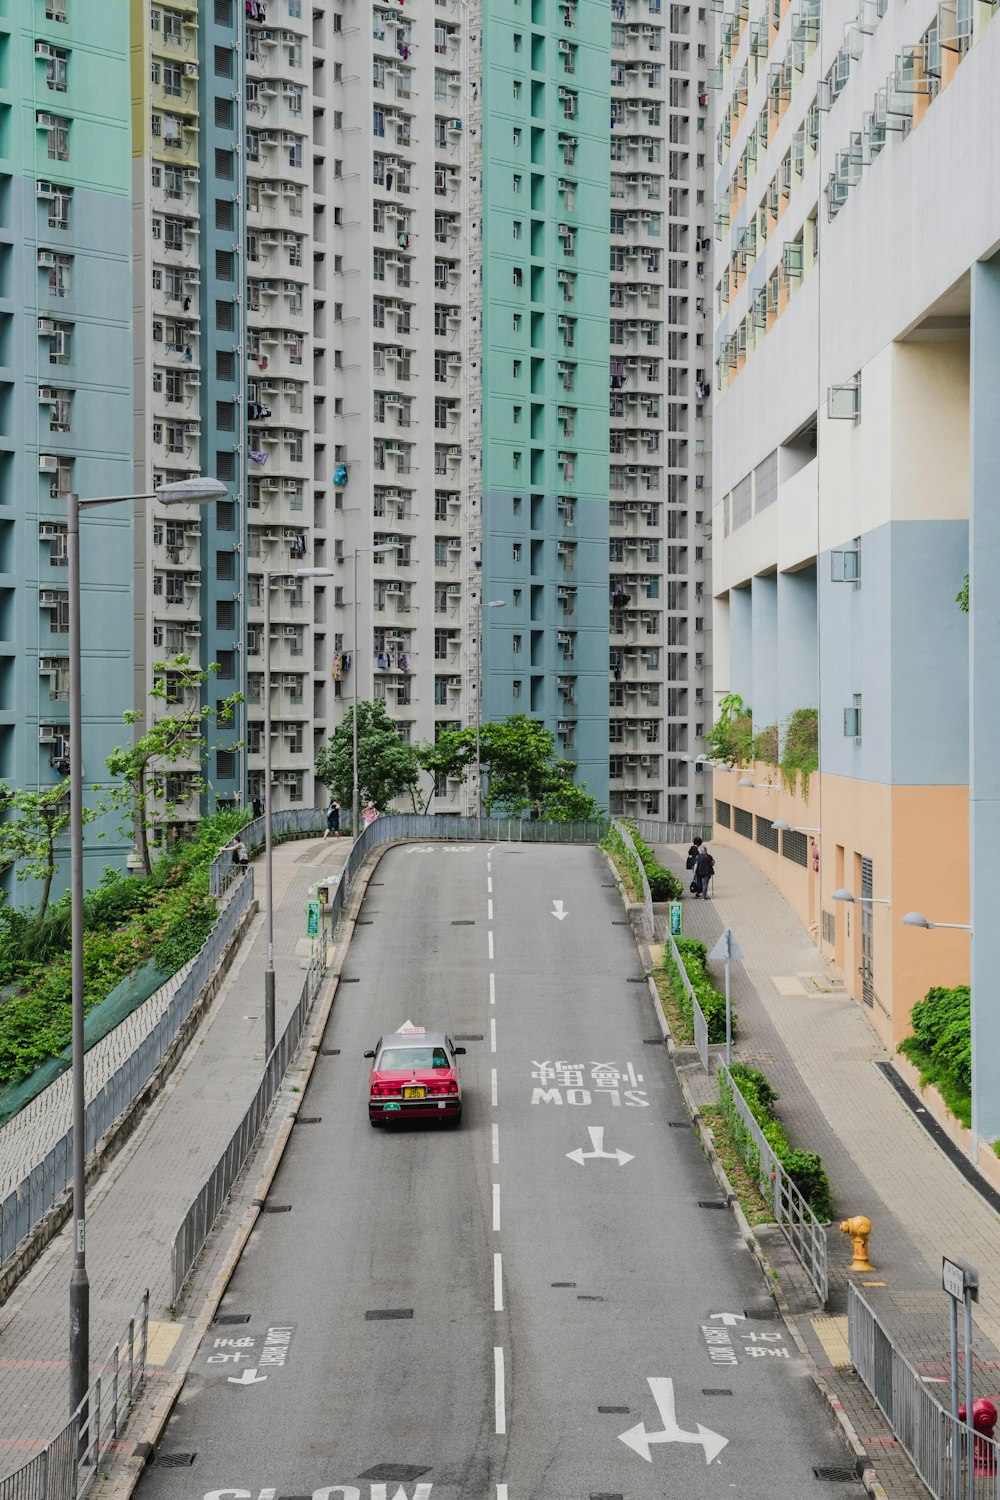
(291, 822)
(201, 1216)
(700, 1024)
(939, 1447)
(35, 1194)
(647, 898)
(653, 832)
(67, 1466)
(802, 1229)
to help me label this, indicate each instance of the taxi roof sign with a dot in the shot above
(408, 1029)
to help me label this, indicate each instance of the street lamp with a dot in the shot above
(758, 786)
(843, 894)
(490, 604)
(782, 825)
(355, 808)
(917, 919)
(268, 836)
(198, 491)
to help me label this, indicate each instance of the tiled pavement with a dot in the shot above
(820, 1051)
(136, 1208)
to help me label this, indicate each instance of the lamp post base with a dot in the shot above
(268, 1013)
(79, 1339)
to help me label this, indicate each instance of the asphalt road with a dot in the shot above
(557, 1281)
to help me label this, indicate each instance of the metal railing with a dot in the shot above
(35, 1194)
(653, 832)
(647, 898)
(801, 1228)
(294, 822)
(67, 1466)
(700, 1024)
(200, 1218)
(939, 1447)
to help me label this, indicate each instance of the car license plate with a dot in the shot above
(415, 1093)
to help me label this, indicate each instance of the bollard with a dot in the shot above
(859, 1228)
(984, 1419)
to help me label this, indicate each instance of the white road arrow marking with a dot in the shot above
(596, 1133)
(730, 1320)
(557, 911)
(639, 1440)
(246, 1377)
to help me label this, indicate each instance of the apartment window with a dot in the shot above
(61, 412)
(223, 62)
(224, 265)
(516, 552)
(60, 275)
(61, 344)
(517, 88)
(225, 469)
(852, 719)
(171, 77)
(224, 165)
(225, 216)
(225, 316)
(225, 416)
(515, 644)
(295, 153)
(225, 614)
(173, 234)
(517, 135)
(57, 136)
(55, 70)
(223, 12)
(59, 208)
(224, 570)
(517, 182)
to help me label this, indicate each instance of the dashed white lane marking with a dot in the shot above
(489, 911)
(497, 1282)
(501, 1492)
(490, 949)
(489, 884)
(493, 1033)
(496, 1207)
(496, 1145)
(493, 989)
(493, 1088)
(500, 1403)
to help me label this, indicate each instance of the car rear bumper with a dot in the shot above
(414, 1109)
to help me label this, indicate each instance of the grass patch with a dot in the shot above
(743, 1185)
(679, 1017)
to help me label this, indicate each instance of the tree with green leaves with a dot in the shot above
(32, 823)
(450, 754)
(173, 737)
(387, 769)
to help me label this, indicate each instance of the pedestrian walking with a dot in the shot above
(704, 869)
(258, 807)
(369, 814)
(332, 819)
(692, 854)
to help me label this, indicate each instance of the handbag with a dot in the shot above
(694, 887)
(690, 862)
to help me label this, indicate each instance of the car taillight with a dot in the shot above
(450, 1087)
(380, 1090)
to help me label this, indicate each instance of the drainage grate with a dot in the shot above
(641, 980)
(174, 1460)
(364, 922)
(619, 1411)
(605, 1495)
(679, 1124)
(588, 1297)
(376, 1313)
(467, 1036)
(835, 1475)
(231, 1318)
(653, 1041)
(716, 1390)
(626, 923)
(762, 1310)
(329, 1052)
(276, 1208)
(564, 1283)
(401, 1472)
(308, 1119)
(344, 979)
(712, 1204)
(464, 922)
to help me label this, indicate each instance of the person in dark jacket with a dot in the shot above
(704, 869)
(692, 854)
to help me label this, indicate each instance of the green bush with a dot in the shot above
(713, 1003)
(663, 884)
(941, 1046)
(804, 1168)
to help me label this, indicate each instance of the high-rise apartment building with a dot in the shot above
(856, 328)
(660, 408)
(65, 377)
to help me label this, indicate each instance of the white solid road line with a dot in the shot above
(493, 989)
(489, 911)
(493, 1033)
(496, 1145)
(500, 1401)
(490, 936)
(496, 1208)
(493, 1087)
(497, 1283)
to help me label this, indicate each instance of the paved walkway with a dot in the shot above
(134, 1211)
(820, 1051)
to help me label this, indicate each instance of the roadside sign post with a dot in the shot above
(676, 921)
(312, 919)
(961, 1282)
(728, 951)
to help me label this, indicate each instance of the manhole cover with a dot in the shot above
(231, 1318)
(174, 1460)
(376, 1313)
(400, 1472)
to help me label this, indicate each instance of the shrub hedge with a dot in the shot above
(128, 921)
(713, 1003)
(941, 1046)
(805, 1168)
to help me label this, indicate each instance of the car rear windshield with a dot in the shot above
(400, 1058)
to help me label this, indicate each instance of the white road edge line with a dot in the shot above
(496, 1208)
(497, 1282)
(493, 1035)
(493, 989)
(493, 1087)
(500, 1402)
(496, 1145)
(490, 949)
(489, 909)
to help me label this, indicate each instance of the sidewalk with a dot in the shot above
(820, 1051)
(135, 1209)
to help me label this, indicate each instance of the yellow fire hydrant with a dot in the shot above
(859, 1228)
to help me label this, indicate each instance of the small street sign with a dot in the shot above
(676, 919)
(312, 919)
(957, 1278)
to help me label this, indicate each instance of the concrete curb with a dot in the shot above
(863, 1465)
(125, 1473)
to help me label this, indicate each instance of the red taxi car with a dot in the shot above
(415, 1076)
